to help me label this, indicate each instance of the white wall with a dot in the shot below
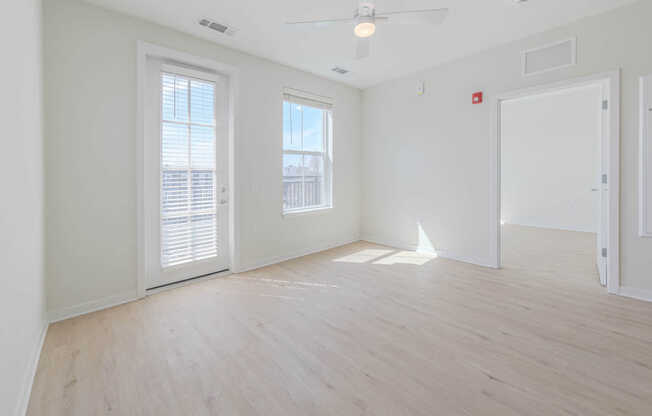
(90, 108)
(426, 159)
(22, 293)
(550, 159)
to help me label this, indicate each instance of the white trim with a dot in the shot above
(326, 154)
(307, 211)
(635, 293)
(420, 249)
(643, 162)
(299, 253)
(524, 54)
(613, 167)
(309, 96)
(68, 312)
(144, 50)
(173, 69)
(30, 373)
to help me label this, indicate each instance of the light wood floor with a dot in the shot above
(364, 329)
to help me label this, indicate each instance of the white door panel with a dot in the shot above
(186, 193)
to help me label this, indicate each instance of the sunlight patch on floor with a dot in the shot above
(387, 257)
(407, 257)
(364, 256)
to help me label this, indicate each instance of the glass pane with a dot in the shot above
(202, 102)
(313, 129)
(202, 141)
(204, 236)
(174, 191)
(174, 97)
(313, 180)
(174, 145)
(292, 181)
(188, 146)
(176, 242)
(291, 126)
(203, 190)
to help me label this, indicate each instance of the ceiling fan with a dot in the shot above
(366, 17)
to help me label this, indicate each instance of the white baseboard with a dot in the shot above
(631, 292)
(299, 253)
(114, 300)
(30, 373)
(417, 248)
(91, 306)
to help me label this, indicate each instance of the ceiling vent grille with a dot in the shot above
(218, 27)
(340, 71)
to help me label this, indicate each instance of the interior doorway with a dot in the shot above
(557, 190)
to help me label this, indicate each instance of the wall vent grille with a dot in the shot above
(550, 57)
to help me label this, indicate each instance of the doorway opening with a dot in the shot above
(557, 179)
(186, 177)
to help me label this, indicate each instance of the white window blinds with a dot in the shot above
(188, 188)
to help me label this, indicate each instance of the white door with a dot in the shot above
(601, 188)
(186, 182)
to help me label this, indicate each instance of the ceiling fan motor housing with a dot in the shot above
(366, 10)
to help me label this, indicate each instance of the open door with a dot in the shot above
(602, 187)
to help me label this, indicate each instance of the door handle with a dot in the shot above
(594, 189)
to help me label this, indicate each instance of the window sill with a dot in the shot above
(308, 211)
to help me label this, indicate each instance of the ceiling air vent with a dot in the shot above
(218, 27)
(340, 71)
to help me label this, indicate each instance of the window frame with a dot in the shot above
(325, 105)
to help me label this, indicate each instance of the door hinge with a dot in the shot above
(605, 104)
(604, 178)
(604, 252)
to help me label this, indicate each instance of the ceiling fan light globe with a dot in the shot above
(364, 29)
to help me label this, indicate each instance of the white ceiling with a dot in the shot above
(472, 26)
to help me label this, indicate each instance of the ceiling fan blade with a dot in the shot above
(362, 48)
(416, 17)
(318, 23)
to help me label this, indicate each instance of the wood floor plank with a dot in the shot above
(365, 330)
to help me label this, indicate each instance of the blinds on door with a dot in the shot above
(188, 189)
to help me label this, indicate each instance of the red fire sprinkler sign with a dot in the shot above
(477, 98)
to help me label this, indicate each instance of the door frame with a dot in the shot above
(612, 152)
(144, 162)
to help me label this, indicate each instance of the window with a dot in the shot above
(307, 154)
(188, 165)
